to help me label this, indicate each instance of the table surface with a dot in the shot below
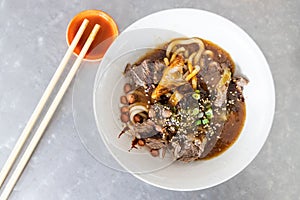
(32, 43)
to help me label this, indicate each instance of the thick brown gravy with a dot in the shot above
(232, 129)
(236, 113)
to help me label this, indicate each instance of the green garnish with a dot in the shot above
(197, 91)
(209, 113)
(208, 106)
(198, 122)
(173, 109)
(196, 96)
(195, 111)
(200, 115)
(205, 121)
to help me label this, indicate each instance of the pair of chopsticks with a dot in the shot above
(39, 133)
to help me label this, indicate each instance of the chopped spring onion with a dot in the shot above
(209, 113)
(205, 121)
(198, 122)
(208, 106)
(197, 91)
(196, 96)
(173, 109)
(195, 111)
(200, 115)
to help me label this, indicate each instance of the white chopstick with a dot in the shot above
(26, 132)
(37, 136)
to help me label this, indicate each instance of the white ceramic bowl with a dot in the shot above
(159, 28)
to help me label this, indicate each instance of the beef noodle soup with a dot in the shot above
(184, 98)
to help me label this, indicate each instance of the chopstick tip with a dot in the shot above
(98, 25)
(85, 21)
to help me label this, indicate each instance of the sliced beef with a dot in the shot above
(159, 114)
(154, 143)
(240, 82)
(144, 130)
(187, 147)
(147, 73)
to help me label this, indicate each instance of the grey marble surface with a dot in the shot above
(32, 43)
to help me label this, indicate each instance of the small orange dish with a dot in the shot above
(106, 35)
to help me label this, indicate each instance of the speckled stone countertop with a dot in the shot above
(32, 43)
